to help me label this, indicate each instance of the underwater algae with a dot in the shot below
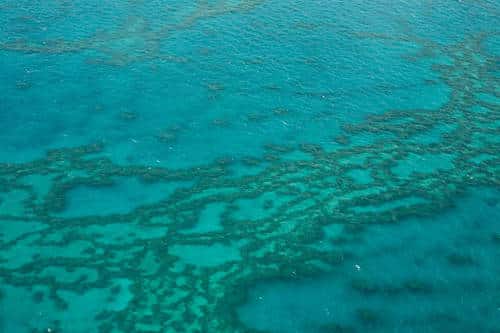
(136, 268)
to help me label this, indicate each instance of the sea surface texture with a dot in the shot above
(234, 166)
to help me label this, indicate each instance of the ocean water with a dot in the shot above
(261, 166)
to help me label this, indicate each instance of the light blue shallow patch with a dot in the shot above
(12, 203)
(26, 315)
(360, 176)
(255, 208)
(120, 198)
(490, 98)
(209, 219)
(425, 163)
(206, 255)
(41, 185)
(434, 135)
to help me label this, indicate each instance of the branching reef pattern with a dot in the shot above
(382, 171)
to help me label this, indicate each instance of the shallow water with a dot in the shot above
(435, 274)
(249, 166)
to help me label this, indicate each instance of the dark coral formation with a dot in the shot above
(298, 197)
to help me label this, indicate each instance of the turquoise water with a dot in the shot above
(249, 166)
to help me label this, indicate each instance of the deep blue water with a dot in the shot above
(249, 166)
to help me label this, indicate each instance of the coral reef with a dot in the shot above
(141, 259)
